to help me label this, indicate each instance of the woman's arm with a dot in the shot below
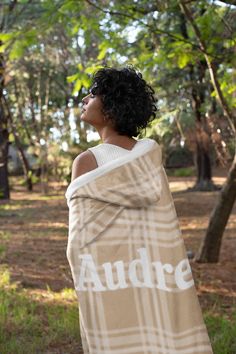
(83, 163)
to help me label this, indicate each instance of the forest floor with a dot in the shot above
(33, 239)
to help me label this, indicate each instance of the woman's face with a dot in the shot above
(92, 110)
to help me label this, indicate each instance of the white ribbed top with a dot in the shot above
(106, 152)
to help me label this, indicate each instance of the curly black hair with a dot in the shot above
(126, 98)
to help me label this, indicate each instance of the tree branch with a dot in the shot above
(156, 30)
(153, 30)
(211, 67)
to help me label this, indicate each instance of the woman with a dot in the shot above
(119, 105)
(128, 261)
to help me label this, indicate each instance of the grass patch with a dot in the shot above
(2, 251)
(182, 172)
(11, 206)
(4, 235)
(51, 197)
(222, 332)
(36, 323)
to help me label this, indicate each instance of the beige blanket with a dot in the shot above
(128, 261)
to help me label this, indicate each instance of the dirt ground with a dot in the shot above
(35, 230)
(216, 282)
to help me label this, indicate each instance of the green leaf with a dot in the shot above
(86, 81)
(232, 89)
(92, 69)
(17, 50)
(21, 42)
(183, 60)
(103, 50)
(223, 85)
(11, 138)
(3, 47)
(72, 78)
(69, 6)
(171, 55)
(102, 54)
(77, 87)
(6, 36)
(213, 94)
(75, 28)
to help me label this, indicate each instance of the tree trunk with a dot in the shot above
(204, 181)
(202, 158)
(4, 184)
(203, 162)
(24, 161)
(26, 167)
(210, 247)
(44, 169)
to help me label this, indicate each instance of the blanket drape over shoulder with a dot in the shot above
(128, 261)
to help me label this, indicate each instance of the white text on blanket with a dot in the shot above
(89, 275)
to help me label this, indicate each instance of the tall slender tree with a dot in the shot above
(210, 248)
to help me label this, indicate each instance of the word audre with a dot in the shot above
(140, 274)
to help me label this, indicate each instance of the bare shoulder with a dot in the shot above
(83, 163)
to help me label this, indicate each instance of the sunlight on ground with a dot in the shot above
(34, 196)
(182, 185)
(66, 296)
(10, 206)
(220, 291)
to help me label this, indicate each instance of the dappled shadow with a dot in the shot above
(39, 263)
(200, 203)
(36, 242)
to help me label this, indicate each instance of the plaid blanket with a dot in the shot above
(128, 261)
